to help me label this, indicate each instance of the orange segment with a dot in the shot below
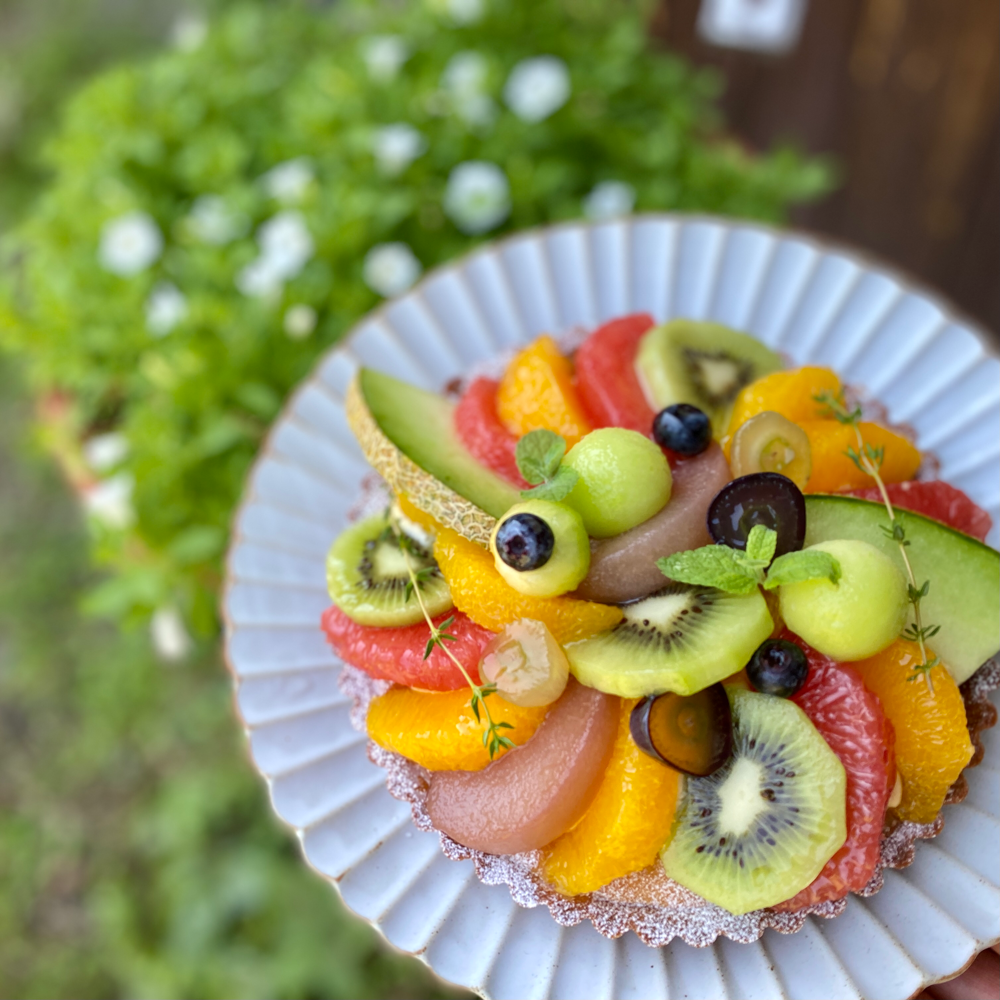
(833, 470)
(439, 730)
(626, 825)
(932, 739)
(416, 515)
(537, 391)
(790, 393)
(483, 594)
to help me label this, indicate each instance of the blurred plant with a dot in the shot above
(221, 214)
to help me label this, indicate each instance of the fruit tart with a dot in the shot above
(663, 633)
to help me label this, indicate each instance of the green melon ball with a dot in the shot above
(624, 480)
(856, 617)
(552, 543)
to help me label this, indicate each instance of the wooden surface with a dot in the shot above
(904, 94)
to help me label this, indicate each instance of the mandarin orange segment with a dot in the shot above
(790, 393)
(537, 391)
(439, 730)
(416, 515)
(626, 825)
(833, 469)
(482, 593)
(932, 738)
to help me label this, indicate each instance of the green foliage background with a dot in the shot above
(138, 856)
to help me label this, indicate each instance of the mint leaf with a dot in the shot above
(794, 567)
(557, 488)
(711, 566)
(761, 543)
(538, 455)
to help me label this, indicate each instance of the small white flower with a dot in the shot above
(211, 220)
(390, 268)
(537, 87)
(165, 308)
(300, 321)
(260, 279)
(459, 12)
(189, 31)
(477, 196)
(465, 74)
(286, 243)
(384, 56)
(104, 451)
(609, 200)
(170, 638)
(130, 243)
(396, 147)
(109, 502)
(288, 182)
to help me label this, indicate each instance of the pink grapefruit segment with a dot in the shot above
(480, 430)
(936, 499)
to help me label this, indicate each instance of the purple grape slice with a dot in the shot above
(765, 498)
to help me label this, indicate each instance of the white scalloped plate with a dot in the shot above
(819, 305)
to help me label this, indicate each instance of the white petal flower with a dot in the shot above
(165, 308)
(609, 200)
(286, 243)
(211, 220)
(465, 74)
(260, 279)
(104, 451)
(170, 638)
(384, 56)
(189, 31)
(300, 321)
(130, 243)
(465, 11)
(109, 502)
(397, 146)
(288, 182)
(537, 87)
(390, 268)
(477, 196)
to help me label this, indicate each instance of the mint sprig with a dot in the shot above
(539, 456)
(738, 572)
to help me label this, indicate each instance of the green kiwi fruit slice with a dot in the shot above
(762, 827)
(681, 639)
(704, 364)
(367, 577)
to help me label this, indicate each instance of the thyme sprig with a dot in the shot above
(493, 739)
(869, 460)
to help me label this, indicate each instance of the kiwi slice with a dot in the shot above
(367, 577)
(704, 364)
(681, 639)
(761, 828)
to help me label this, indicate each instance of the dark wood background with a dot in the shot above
(904, 94)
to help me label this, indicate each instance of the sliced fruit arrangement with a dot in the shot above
(536, 793)
(632, 613)
(440, 731)
(537, 391)
(965, 574)
(606, 378)
(762, 827)
(366, 574)
(626, 825)
(681, 639)
(932, 738)
(397, 654)
(703, 364)
(480, 430)
(478, 589)
(851, 720)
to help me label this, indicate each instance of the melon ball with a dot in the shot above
(624, 480)
(856, 617)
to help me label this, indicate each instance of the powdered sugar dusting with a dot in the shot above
(647, 902)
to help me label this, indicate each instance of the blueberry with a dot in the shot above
(766, 498)
(778, 667)
(683, 428)
(525, 542)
